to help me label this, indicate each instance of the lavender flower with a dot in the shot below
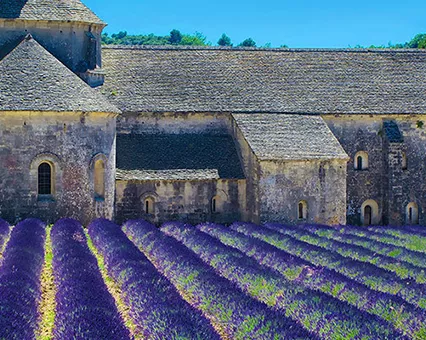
(401, 269)
(20, 280)
(350, 235)
(234, 314)
(293, 268)
(364, 273)
(324, 315)
(155, 306)
(84, 307)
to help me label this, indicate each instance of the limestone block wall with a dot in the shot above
(251, 169)
(71, 142)
(320, 184)
(68, 42)
(189, 201)
(151, 123)
(385, 181)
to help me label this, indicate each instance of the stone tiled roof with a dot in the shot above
(289, 137)
(201, 152)
(34, 80)
(174, 79)
(175, 174)
(54, 10)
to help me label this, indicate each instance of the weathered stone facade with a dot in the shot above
(203, 134)
(71, 143)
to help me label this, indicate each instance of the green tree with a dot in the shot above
(197, 39)
(224, 40)
(175, 37)
(249, 42)
(419, 41)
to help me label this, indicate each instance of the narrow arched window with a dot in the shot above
(412, 213)
(44, 179)
(214, 204)
(359, 163)
(368, 215)
(361, 160)
(149, 205)
(404, 161)
(302, 210)
(99, 178)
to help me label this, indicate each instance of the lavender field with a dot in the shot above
(210, 281)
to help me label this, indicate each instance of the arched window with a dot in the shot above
(148, 206)
(302, 210)
(370, 213)
(214, 204)
(45, 179)
(404, 161)
(99, 178)
(412, 213)
(361, 160)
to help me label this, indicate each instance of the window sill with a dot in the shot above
(45, 198)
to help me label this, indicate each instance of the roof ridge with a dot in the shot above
(35, 80)
(271, 49)
(48, 10)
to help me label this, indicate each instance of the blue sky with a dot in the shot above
(297, 23)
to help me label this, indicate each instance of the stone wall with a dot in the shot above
(188, 201)
(321, 184)
(385, 181)
(173, 123)
(70, 142)
(68, 42)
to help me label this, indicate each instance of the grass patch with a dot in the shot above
(47, 304)
(115, 291)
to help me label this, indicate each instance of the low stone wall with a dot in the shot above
(183, 200)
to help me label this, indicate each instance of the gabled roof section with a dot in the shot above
(289, 137)
(313, 81)
(51, 10)
(34, 80)
(139, 154)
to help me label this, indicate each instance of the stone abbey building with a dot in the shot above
(203, 134)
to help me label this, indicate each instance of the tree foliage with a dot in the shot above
(224, 40)
(249, 42)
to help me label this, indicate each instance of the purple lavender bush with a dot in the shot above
(373, 277)
(155, 306)
(84, 307)
(403, 270)
(349, 235)
(412, 322)
(4, 232)
(319, 313)
(234, 314)
(20, 272)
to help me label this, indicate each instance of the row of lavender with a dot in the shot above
(20, 272)
(247, 281)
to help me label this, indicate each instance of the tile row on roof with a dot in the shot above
(173, 174)
(34, 80)
(50, 10)
(289, 137)
(313, 81)
(179, 151)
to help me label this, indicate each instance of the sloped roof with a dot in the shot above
(289, 137)
(392, 132)
(173, 174)
(203, 152)
(55, 10)
(34, 80)
(175, 79)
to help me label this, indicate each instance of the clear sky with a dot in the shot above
(297, 23)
